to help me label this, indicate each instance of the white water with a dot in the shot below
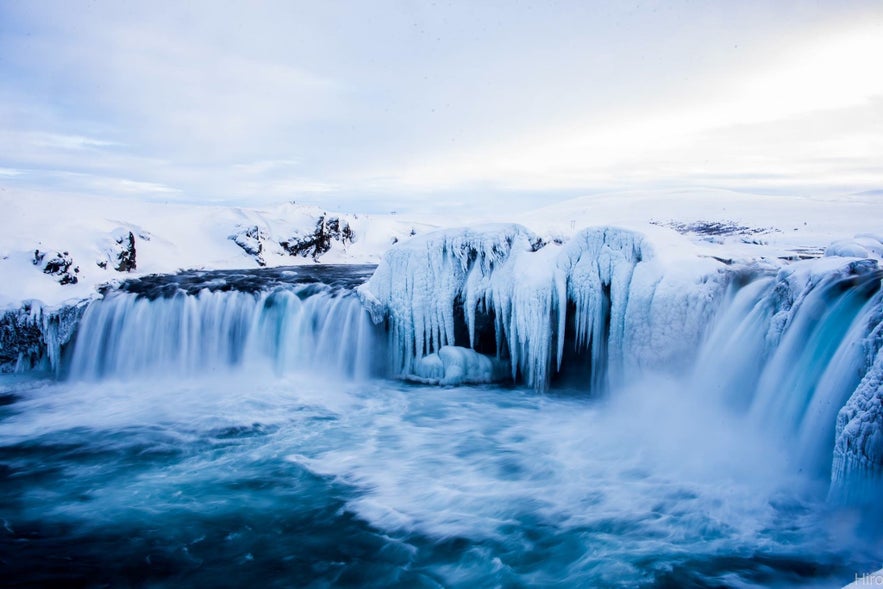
(129, 336)
(467, 485)
(260, 426)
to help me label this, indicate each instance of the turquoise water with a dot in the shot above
(257, 480)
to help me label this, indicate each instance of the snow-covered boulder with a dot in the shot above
(453, 365)
(118, 252)
(319, 241)
(60, 265)
(847, 249)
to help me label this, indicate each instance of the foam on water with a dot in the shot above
(456, 486)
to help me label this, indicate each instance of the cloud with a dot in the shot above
(387, 102)
(778, 125)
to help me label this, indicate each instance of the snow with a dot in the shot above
(764, 229)
(786, 226)
(846, 249)
(167, 236)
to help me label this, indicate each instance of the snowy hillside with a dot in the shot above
(54, 249)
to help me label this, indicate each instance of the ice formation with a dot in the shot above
(453, 365)
(857, 473)
(787, 346)
(33, 336)
(502, 274)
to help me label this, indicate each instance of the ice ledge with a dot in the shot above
(594, 289)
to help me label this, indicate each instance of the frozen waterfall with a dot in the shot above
(786, 348)
(500, 291)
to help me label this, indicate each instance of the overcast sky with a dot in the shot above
(407, 105)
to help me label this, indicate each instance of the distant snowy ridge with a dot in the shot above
(58, 250)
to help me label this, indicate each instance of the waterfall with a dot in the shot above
(787, 351)
(128, 335)
(791, 355)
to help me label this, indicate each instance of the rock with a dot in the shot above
(313, 245)
(126, 257)
(60, 265)
(119, 252)
(31, 335)
(251, 239)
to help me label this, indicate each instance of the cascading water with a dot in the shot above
(784, 351)
(791, 356)
(130, 335)
(686, 451)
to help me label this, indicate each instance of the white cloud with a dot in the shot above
(68, 142)
(772, 124)
(406, 101)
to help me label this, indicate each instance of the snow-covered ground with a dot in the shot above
(167, 237)
(680, 225)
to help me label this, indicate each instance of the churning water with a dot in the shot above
(308, 468)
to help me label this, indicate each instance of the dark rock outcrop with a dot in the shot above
(61, 266)
(31, 336)
(126, 257)
(251, 240)
(313, 245)
(120, 253)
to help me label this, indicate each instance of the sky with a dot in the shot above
(432, 106)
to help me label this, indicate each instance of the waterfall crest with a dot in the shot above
(128, 335)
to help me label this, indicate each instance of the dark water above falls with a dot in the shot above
(283, 458)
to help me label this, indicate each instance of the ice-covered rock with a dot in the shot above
(33, 336)
(453, 365)
(857, 472)
(418, 284)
